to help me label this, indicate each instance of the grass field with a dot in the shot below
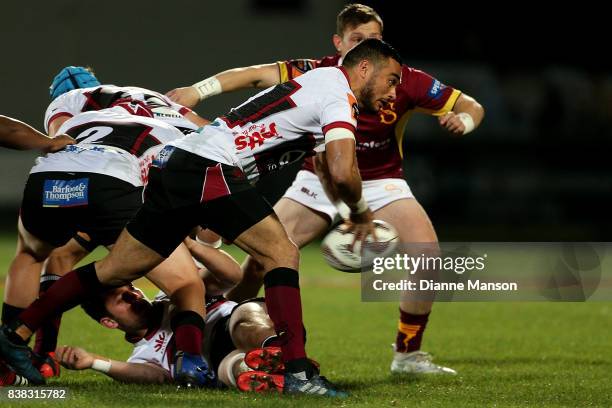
(507, 354)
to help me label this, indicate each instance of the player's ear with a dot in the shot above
(108, 323)
(364, 68)
(337, 40)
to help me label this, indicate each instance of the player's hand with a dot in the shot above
(361, 225)
(186, 96)
(58, 143)
(74, 358)
(452, 123)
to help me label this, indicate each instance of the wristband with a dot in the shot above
(360, 207)
(103, 366)
(208, 87)
(467, 120)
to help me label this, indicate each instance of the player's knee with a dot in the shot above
(288, 254)
(283, 254)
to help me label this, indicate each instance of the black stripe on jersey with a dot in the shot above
(100, 99)
(134, 138)
(277, 100)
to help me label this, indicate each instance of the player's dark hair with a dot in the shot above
(373, 50)
(356, 14)
(95, 306)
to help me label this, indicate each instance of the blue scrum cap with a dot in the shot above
(71, 78)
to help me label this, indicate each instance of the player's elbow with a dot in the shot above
(479, 110)
(342, 177)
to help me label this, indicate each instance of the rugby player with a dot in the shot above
(207, 178)
(93, 188)
(233, 330)
(305, 209)
(75, 90)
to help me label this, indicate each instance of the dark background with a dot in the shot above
(537, 169)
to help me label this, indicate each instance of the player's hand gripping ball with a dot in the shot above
(336, 247)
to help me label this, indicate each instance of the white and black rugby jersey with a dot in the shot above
(105, 96)
(157, 346)
(279, 125)
(110, 142)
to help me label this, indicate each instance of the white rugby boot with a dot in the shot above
(416, 362)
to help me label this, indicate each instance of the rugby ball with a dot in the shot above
(336, 247)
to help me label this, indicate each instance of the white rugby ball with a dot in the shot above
(336, 247)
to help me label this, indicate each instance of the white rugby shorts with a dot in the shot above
(308, 191)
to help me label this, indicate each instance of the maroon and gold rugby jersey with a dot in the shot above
(379, 136)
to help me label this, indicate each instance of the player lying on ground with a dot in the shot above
(305, 210)
(207, 178)
(233, 330)
(220, 272)
(114, 196)
(18, 135)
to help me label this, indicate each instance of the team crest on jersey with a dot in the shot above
(387, 114)
(65, 193)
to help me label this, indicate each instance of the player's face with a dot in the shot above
(379, 90)
(354, 35)
(129, 307)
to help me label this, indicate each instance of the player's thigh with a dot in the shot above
(302, 224)
(29, 243)
(410, 220)
(62, 259)
(128, 260)
(305, 210)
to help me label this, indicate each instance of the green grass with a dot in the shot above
(507, 354)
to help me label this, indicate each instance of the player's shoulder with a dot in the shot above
(324, 77)
(415, 80)
(411, 73)
(321, 84)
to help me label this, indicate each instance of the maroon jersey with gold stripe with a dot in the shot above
(379, 136)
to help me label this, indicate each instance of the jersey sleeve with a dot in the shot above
(430, 95)
(138, 355)
(64, 105)
(292, 69)
(339, 109)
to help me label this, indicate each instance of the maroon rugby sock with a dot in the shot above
(65, 294)
(285, 309)
(410, 332)
(188, 328)
(46, 336)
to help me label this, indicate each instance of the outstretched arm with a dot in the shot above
(255, 76)
(15, 134)
(76, 358)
